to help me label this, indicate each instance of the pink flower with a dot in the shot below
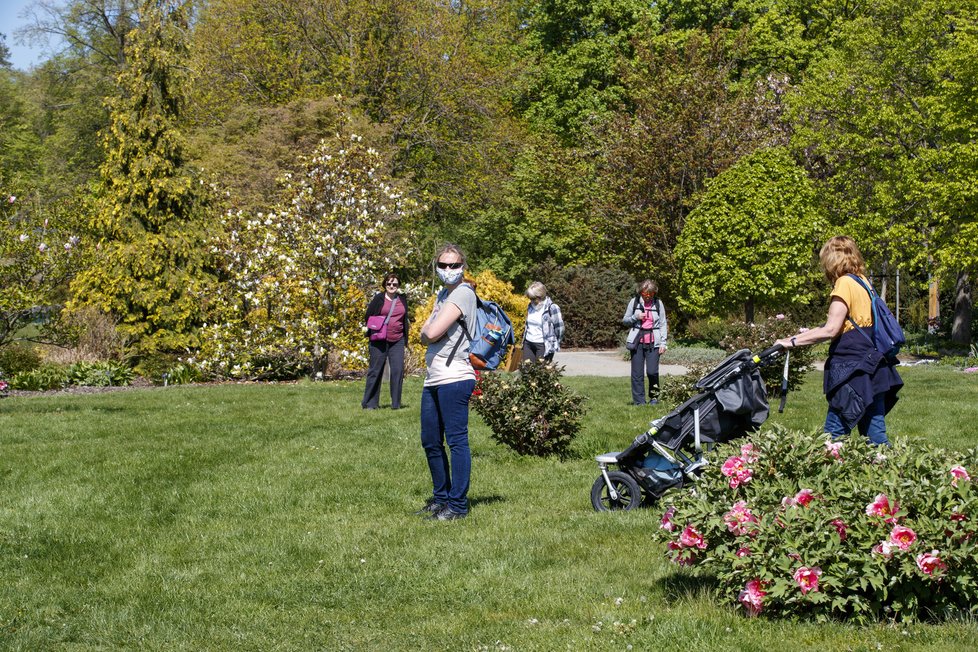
(686, 558)
(11, 199)
(736, 469)
(882, 507)
(902, 537)
(691, 538)
(666, 522)
(957, 516)
(779, 316)
(807, 578)
(958, 472)
(884, 548)
(739, 519)
(930, 563)
(833, 448)
(752, 597)
(840, 527)
(42, 247)
(743, 551)
(804, 497)
(748, 453)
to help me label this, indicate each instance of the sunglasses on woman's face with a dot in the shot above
(442, 265)
(392, 284)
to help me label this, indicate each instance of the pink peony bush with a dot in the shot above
(792, 525)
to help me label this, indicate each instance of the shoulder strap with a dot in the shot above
(465, 330)
(872, 304)
(391, 311)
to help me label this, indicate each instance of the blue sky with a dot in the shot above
(22, 56)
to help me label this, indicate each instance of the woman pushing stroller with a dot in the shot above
(860, 383)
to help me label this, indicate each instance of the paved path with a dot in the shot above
(608, 363)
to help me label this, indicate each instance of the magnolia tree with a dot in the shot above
(802, 526)
(298, 278)
(37, 260)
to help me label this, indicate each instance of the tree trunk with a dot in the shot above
(961, 327)
(749, 311)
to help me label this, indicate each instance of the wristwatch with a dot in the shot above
(793, 344)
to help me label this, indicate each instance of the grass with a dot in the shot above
(279, 517)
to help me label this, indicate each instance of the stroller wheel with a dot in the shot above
(629, 493)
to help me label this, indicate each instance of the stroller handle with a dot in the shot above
(770, 352)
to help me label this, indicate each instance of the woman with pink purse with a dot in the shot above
(387, 328)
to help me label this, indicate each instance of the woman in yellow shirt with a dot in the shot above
(860, 383)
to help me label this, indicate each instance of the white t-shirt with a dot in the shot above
(436, 357)
(534, 323)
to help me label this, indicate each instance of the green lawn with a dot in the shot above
(279, 517)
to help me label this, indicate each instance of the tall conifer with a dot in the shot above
(149, 219)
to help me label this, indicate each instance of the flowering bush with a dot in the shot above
(532, 412)
(762, 334)
(300, 276)
(38, 257)
(792, 524)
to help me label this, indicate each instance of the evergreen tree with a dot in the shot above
(149, 216)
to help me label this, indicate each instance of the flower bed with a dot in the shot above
(793, 524)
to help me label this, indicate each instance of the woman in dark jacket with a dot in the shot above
(392, 305)
(860, 383)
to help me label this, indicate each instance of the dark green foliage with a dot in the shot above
(532, 412)
(592, 300)
(17, 358)
(761, 334)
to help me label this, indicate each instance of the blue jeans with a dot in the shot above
(871, 425)
(445, 418)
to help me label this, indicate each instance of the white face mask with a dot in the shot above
(450, 276)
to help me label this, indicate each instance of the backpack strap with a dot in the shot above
(465, 330)
(872, 303)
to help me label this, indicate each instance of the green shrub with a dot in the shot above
(793, 524)
(45, 377)
(762, 334)
(710, 330)
(181, 374)
(16, 358)
(99, 374)
(532, 412)
(675, 390)
(592, 301)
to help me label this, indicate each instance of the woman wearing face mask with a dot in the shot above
(448, 385)
(544, 325)
(646, 340)
(392, 305)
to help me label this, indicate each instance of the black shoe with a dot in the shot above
(431, 507)
(446, 514)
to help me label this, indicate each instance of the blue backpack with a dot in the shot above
(491, 337)
(888, 337)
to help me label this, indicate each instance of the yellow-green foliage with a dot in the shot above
(151, 265)
(489, 288)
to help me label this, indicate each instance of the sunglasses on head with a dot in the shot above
(442, 265)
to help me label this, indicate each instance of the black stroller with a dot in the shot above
(732, 402)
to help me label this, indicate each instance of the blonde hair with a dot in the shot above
(537, 290)
(648, 285)
(453, 248)
(840, 256)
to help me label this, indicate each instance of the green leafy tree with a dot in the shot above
(689, 123)
(888, 120)
(750, 242)
(150, 217)
(574, 50)
(297, 279)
